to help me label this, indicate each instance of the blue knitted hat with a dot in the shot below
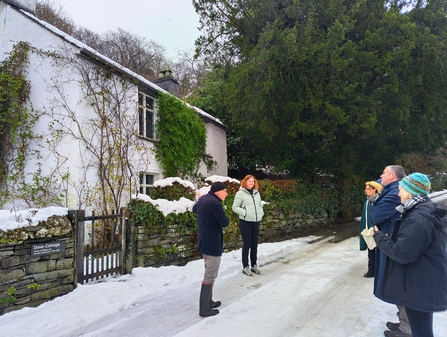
(416, 183)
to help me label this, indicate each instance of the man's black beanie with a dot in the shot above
(218, 186)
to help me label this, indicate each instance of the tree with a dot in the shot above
(47, 11)
(142, 56)
(320, 87)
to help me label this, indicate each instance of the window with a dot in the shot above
(146, 115)
(146, 183)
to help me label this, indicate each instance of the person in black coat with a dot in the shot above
(211, 219)
(415, 275)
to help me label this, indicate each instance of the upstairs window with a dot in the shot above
(146, 183)
(146, 115)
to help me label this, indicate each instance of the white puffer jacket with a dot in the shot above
(247, 206)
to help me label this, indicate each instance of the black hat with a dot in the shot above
(218, 186)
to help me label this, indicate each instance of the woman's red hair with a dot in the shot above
(244, 181)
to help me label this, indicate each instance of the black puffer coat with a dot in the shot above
(416, 271)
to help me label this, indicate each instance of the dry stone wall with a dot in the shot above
(27, 280)
(37, 264)
(172, 248)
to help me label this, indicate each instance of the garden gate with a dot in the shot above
(100, 245)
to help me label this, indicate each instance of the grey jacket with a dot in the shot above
(247, 206)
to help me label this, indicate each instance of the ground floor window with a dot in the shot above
(146, 183)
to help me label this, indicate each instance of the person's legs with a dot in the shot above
(371, 261)
(246, 237)
(212, 264)
(254, 243)
(421, 322)
(404, 323)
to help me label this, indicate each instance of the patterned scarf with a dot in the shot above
(410, 203)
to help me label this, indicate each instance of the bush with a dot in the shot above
(173, 192)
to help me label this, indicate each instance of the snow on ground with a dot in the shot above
(310, 287)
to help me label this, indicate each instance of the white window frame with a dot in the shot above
(146, 115)
(146, 183)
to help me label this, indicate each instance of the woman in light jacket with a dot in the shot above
(415, 274)
(248, 205)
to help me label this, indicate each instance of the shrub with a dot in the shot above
(173, 192)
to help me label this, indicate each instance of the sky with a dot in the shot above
(171, 23)
(309, 287)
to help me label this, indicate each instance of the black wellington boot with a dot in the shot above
(212, 303)
(205, 298)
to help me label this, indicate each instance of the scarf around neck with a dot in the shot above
(410, 203)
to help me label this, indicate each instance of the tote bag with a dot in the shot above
(367, 234)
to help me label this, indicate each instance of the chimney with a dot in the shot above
(27, 5)
(166, 81)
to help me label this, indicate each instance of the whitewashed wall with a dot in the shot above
(55, 89)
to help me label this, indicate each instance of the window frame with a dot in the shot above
(146, 107)
(143, 183)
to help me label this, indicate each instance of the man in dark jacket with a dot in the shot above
(383, 215)
(211, 220)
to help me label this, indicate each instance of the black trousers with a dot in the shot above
(250, 238)
(371, 260)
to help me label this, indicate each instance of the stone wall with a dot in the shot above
(27, 281)
(172, 248)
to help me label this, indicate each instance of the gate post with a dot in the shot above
(78, 244)
(130, 247)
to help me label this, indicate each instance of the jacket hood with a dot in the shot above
(435, 214)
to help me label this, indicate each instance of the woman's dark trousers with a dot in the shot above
(250, 237)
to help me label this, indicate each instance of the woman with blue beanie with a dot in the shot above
(415, 275)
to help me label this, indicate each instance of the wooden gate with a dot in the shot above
(100, 246)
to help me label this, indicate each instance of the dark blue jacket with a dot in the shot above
(211, 219)
(415, 275)
(383, 215)
(383, 211)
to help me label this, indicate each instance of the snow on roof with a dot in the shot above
(125, 70)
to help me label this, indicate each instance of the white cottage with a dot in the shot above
(95, 130)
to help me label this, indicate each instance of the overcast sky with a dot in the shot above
(171, 23)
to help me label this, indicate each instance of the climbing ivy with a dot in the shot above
(16, 120)
(182, 139)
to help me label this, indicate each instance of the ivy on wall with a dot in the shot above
(182, 139)
(16, 121)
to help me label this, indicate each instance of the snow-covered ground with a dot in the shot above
(309, 287)
(306, 289)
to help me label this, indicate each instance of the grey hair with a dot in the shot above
(398, 171)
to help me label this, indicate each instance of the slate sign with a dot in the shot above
(47, 248)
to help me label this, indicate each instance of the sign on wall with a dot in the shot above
(47, 248)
